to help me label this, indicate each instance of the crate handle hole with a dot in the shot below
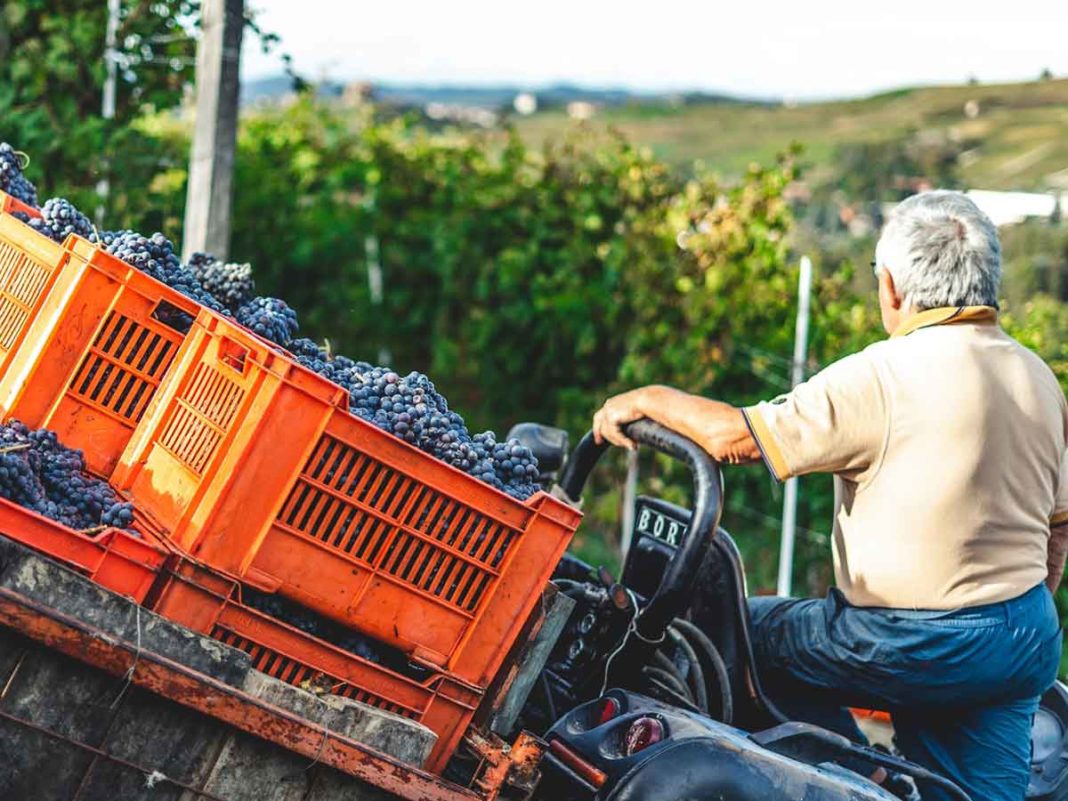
(171, 316)
(233, 355)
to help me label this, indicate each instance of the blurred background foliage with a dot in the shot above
(530, 272)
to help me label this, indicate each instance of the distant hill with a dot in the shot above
(1016, 134)
(488, 97)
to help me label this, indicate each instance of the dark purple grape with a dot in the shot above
(271, 318)
(59, 219)
(230, 284)
(155, 256)
(41, 474)
(409, 407)
(12, 181)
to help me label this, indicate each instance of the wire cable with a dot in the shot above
(715, 664)
(664, 663)
(695, 676)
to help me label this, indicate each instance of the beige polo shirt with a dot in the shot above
(948, 442)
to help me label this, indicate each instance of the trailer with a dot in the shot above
(103, 699)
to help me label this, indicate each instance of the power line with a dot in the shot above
(819, 537)
(753, 350)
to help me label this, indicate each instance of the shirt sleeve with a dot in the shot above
(1060, 508)
(836, 422)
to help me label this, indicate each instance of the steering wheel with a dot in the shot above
(673, 594)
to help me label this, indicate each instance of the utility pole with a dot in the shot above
(789, 503)
(211, 165)
(107, 106)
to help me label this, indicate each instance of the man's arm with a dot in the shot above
(1056, 555)
(717, 427)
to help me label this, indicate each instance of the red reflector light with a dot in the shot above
(607, 710)
(643, 733)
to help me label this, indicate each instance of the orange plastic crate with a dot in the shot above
(112, 558)
(209, 602)
(93, 353)
(29, 262)
(254, 465)
(10, 204)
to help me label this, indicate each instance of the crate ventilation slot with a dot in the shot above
(396, 525)
(21, 282)
(202, 416)
(295, 672)
(121, 371)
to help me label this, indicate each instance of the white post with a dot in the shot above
(630, 492)
(376, 287)
(107, 105)
(789, 503)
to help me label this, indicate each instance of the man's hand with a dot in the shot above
(717, 427)
(617, 412)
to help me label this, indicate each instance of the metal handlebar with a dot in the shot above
(672, 596)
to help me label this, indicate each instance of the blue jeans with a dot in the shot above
(961, 686)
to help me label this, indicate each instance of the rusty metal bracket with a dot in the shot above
(513, 766)
(207, 695)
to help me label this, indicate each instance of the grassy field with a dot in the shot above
(1020, 134)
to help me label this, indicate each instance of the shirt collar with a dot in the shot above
(947, 315)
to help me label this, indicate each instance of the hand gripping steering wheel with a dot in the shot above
(673, 594)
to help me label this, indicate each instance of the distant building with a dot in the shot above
(1012, 208)
(581, 109)
(464, 115)
(525, 103)
(357, 93)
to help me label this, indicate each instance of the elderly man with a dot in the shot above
(948, 446)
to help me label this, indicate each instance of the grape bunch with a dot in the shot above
(41, 474)
(230, 283)
(410, 407)
(155, 256)
(59, 218)
(12, 181)
(198, 261)
(407, 406)
(514, 465)
(271, 318)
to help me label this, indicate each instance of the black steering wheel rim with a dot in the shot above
(673, 594)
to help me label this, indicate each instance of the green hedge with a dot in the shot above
(530, 283)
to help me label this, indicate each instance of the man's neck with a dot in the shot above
(948, 315)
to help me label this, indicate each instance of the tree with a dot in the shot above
(52, 72)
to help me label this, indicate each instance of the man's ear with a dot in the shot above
(887, 290)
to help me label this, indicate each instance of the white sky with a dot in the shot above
(817, 48)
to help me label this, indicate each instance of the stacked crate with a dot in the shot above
(248, 469)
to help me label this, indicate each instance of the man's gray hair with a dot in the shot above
(941, 250)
